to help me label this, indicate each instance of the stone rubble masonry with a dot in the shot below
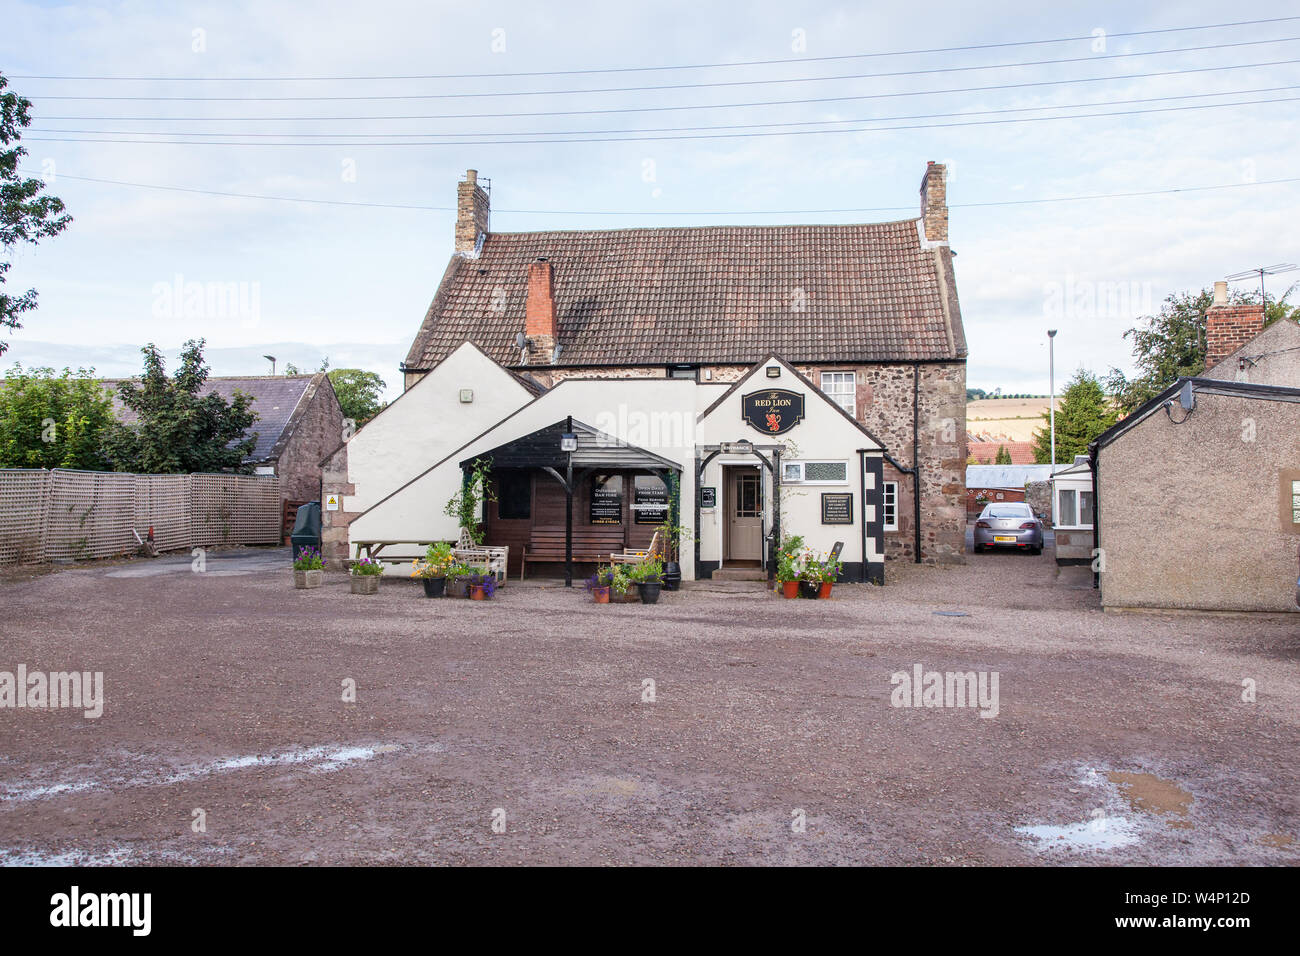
(334, 524)
(317, 430)
(472, 212)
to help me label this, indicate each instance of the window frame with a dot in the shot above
(851, 393)
(803, 478)
(515, 474)
(889, 505)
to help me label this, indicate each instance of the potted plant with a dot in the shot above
(433, 569)
(599, 584)
(649, 578)
(308, 568)
(810, 576)
(466, 506)
(458, 580)
(365, 576)
(788, 565)
(620, 586)
(830, 569)
(482, 584)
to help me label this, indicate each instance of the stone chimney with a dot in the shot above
(540, 326)
(934, 202)
(1229, 327)
(472, 210)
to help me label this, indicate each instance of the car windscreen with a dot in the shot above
(1009, 511)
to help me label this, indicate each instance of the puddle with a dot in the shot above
(1101, 833)
(316, 760)
(1147, 793)
(115, 857)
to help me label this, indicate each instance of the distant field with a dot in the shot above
(1015, 418)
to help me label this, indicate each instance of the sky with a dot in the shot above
(305, 281)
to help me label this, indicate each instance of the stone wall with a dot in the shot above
(317, 432)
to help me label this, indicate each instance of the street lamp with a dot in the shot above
(1051, 384)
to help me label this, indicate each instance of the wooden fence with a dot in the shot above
(73, 515)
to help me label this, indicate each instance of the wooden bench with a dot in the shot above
(590, 544)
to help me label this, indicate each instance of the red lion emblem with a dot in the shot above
(773, 421)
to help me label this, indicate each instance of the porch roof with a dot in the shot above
(596, 449)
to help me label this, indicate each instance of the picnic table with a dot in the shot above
(491, 557)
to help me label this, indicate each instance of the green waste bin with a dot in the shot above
(306, 527)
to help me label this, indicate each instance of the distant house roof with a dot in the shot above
(1006, 476)
(278, 400)
(717, 294)
(1022, 452)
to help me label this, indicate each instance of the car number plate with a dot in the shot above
(1004, 537)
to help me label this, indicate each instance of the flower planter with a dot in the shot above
(458, 587)
(308, 579)
(600, 595)
(478, 592)
(434, 587)
(630, 596)
(365, 583)
(825, 593)
(649, 592)
(810, 589)
(790, 589)
(672, 576)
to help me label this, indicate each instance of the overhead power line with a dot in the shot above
(660, 212)
(657, 138)
(696, 106)
(669, 86)
(649, 69)
(680, 129)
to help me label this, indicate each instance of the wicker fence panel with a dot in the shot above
(89, 515)
(62, 514)
(23, 497)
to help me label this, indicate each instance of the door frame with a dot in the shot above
(730, 471)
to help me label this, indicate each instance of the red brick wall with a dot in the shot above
(1228, 328)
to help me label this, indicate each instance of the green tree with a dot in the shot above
(1003, 456)
(1085, 413)
(50, 420)
(358, 392)
(179, 429)
(25, 215)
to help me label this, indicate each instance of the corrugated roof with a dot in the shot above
(715, 294)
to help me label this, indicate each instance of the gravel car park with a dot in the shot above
(722, 725)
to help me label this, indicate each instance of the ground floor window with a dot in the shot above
(606, 499)
(890, 505)
(514, 495)
(649, 500)
(1074, 508)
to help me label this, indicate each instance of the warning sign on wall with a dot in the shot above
(331, 502)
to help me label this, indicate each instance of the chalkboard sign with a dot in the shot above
(649, 500)
(773, 411)
(606, 499)
(837, 508)
(708, 497)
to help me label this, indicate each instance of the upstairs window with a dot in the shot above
(842, 389)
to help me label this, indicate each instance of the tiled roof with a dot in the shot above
(276, 399)
(716, 294)
(986, 452)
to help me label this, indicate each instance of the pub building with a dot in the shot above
(741, 382)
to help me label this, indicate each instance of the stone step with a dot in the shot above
(740, 574)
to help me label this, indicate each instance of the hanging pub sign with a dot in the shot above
(649, 500)
(606, 499)
(772, 411)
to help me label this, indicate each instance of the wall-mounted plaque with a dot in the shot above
(837, 508)
(773, 411)
(708, 497)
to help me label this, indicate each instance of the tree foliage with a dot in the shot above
(1085, 413)
(50, 420)
(358, 392)
(25, 214)
(1003, 456)
(179, 428)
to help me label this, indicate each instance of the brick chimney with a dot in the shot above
(934, 202)
(472, 210)
(540, 325)
(1229, 327)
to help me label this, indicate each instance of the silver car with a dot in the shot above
(1011, 524)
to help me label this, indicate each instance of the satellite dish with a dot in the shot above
(520, 340)
(1186, 397)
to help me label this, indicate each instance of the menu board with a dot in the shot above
(649, 500)
(837, 509)
(606, 499)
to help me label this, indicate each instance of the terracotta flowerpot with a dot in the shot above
(825, 594)
(600, 595)
(477, 592)
(365, 583)
(308, 579)
(790, 588)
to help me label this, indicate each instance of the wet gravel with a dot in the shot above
(531, 711)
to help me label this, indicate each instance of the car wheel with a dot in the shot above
(1035, 550)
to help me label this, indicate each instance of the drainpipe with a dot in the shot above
(916, 456)
(1095, 462)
